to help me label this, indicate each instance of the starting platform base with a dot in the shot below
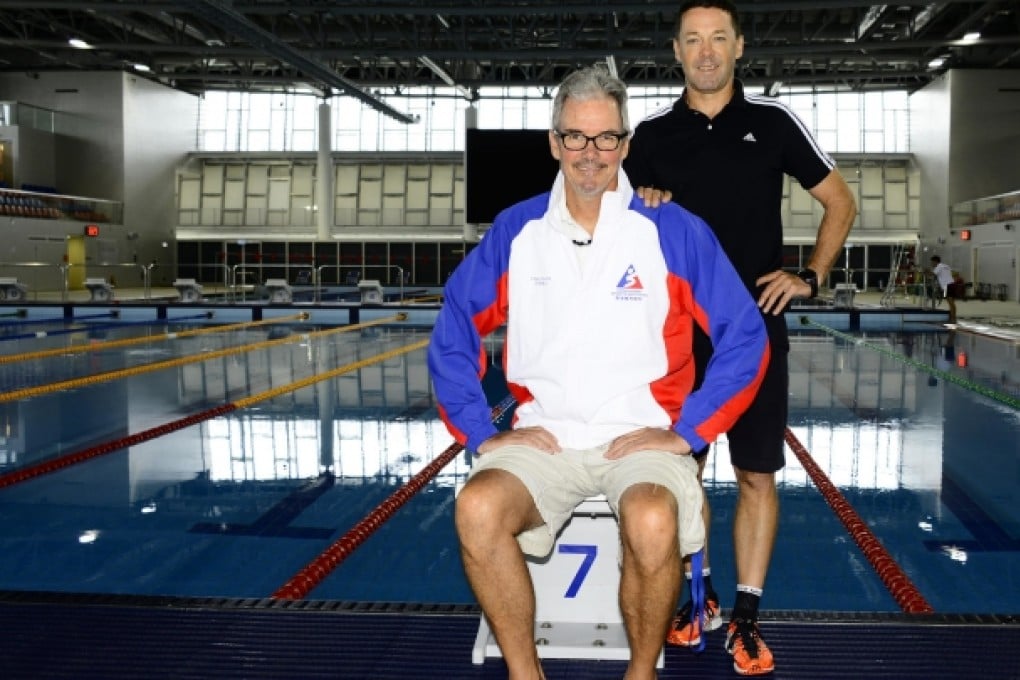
(577, 615)
(565, 640)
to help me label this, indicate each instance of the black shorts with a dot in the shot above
(757, 441)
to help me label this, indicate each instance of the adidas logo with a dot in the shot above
(749, 137)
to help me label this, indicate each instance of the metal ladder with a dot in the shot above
(889, 294)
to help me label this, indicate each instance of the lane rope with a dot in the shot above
(125, 342)
(1007, 399)
(316, 571)
(28, 392)
(907, 596)
(32, 471)
(86, 329)
(55, 319)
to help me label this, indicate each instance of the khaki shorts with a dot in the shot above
(559, 482)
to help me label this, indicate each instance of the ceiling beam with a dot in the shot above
(223, 16)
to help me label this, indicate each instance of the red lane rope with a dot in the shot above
(907, 596)
(24, 474)
(45, 467)
(316, 571)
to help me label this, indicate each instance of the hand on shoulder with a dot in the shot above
(653, 197)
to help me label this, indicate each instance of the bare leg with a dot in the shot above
(754, 525)
(650, 581)
(492, 508)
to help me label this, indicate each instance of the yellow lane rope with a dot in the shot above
(423, 299)
(45, 467)
(109, 344)
(245, 402)
(28, 392)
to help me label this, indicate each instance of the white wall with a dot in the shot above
(159, 130)
(118, 137)
(965, 135)
(930, 120)
(984, 152)
(89, 158)
(33, 156)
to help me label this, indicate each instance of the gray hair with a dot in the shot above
(592, 82)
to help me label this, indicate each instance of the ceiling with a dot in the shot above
(360, 49)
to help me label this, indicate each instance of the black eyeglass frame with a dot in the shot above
(618, 137)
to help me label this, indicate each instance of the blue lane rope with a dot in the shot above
(101, 326)
(1006, 399)
(57, 319)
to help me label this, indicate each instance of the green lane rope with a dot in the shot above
(1006, 399)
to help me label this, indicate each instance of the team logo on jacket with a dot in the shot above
(629, 286)
(630, 280)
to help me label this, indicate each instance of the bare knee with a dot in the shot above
(493, 502)
(756, 484)
(648, 525)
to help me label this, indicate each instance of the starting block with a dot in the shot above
(843, 298)
(12, 289)
(100, 289)
(577, 612)
(279, 291)
(371, 292)
(189, 290)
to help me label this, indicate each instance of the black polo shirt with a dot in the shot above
(729, 171)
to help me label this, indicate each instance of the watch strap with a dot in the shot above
(810, 277)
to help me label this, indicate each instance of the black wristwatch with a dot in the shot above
(810, 277)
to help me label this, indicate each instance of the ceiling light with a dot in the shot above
(937, 62)
(972, 36)
(77, 43)
(141, 67)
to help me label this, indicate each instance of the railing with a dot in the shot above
(345, 217)
(340, 267)
(146, 270)
(45, 205)
(986, 210)
(65, 268)
(50, 265)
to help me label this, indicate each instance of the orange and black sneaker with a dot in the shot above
(686, 633)
(751, 656)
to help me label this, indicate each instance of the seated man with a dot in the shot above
(599, 294)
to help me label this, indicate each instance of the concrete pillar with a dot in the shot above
(470, 234)
(324, 172)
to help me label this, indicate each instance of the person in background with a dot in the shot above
(599, 295)
(943, 274)
(722, 153)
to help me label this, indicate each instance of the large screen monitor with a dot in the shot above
(503, 167)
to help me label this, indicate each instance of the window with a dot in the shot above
(843, 122)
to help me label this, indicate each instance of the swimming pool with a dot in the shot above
(224, 462)
(234, 504)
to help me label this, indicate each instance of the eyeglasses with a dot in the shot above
(603, 141)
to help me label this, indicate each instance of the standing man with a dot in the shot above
(722, 153)
(943, 274)
(599, 295)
